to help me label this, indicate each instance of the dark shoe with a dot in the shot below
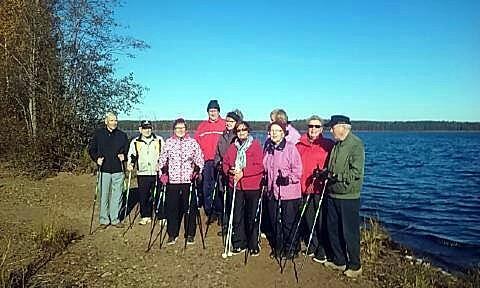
(237, 251)
(103, 226)
(171, 240)
(309, 253)
(190, 240)
(254, 252)
(119, 225)
(320, 259)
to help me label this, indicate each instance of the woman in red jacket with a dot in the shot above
(243, 163)
(314, 151)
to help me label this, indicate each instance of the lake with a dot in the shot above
(424, 187)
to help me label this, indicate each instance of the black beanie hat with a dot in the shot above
(213, 104)
(234, 116)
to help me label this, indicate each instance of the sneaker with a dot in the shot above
(263, 235)
(104, 226)
(335, 266)
(171, 240)
(254, 252)
(145, 221)
(237, 251)
(309, 254)
(190, 240)
(320, 259)
(353, 273)
(162, 222)
(119, 225)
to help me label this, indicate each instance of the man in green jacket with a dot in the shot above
(345, 174)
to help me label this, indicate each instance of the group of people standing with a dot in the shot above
(291, 188)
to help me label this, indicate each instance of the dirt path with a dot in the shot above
(107, 259)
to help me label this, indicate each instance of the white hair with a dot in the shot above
(109, 115)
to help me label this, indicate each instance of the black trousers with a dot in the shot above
(319, 242)
(343, 222)
(178, 197)
(283, 219)
(146, 184)
(245, 224)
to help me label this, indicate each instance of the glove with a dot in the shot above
(322, 174)
(164, 170)
(264, 182)
(196, 169)
(282, 181)
(133, 158)
(164, 179)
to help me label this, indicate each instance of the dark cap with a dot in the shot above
(145, 124)
(213, 104)
(282, 125)
(337, 119)
(234, 115)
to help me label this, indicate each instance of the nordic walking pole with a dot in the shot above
(128, 192)
(199, 218)
(260, 211)
(314, 224)
(278, 224)
(152, 226)
(228, 241)
(188, 215)
(97, 188)
(161, 205)
(213, 201)
(296, 230)
(224, 216)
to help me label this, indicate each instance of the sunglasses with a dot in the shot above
(314, 126)
(242, 130)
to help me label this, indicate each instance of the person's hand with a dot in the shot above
(282, 181)
(121, 157)
(238, 174)
(130, 167)
(100, 161)
(322, 174)
(164, 179)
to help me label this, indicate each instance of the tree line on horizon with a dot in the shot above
(166, 125)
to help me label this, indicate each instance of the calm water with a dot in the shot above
(425, 189)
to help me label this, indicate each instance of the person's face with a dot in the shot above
(213, 114)
(230, 123)
(180, 130)
(276, 133)
(111, 122)
(242, 132)
(146, 132)
(314, 129)
(338, 131)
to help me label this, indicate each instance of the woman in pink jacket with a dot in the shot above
(243, 163)
(183, 159)
(283, 166)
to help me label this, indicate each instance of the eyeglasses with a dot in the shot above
(314, 126)
(180, 128)
(242, 130)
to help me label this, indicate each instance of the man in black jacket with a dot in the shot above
(108, 148)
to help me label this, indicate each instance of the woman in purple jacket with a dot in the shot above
(283, 167)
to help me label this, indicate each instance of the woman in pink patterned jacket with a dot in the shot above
(182, 160)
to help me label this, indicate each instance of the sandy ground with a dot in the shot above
(113, 258)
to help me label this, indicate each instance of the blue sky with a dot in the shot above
(370, 60)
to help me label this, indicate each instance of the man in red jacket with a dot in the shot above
(207, 134)
(314, 151)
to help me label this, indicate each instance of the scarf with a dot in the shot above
(241, 160)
